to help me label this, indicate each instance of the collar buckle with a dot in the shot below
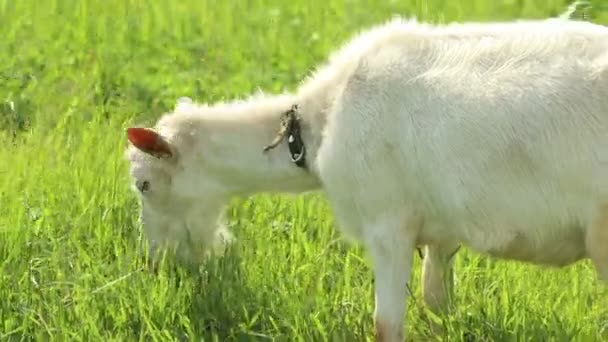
(290, 127)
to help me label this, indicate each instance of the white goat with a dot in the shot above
(490, 135)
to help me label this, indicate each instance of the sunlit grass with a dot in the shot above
(74, 74)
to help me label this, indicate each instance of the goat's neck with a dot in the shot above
(240, 147)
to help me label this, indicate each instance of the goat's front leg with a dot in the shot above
(390, 244)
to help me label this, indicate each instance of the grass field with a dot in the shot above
(74, 75)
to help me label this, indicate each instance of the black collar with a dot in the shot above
(294, 138)
(290, 127)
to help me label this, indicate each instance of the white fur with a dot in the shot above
(490, 135)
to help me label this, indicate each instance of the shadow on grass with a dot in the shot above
(230, 303)
(223, 305)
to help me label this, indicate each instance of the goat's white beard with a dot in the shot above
(195, 255)
(183, 253)
(212, 238)
(223, 237)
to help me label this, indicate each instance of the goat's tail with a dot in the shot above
(578, 10)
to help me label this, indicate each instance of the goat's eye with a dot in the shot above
(143, 186)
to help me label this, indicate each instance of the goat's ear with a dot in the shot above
(150, 142)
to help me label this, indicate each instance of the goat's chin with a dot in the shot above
(190, 255)
(196, 255)
(222, 238)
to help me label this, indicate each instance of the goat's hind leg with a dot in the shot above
(597, 242)
(438, 279)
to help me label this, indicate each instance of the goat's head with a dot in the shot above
(169, 183)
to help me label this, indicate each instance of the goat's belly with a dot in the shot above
(551, 248)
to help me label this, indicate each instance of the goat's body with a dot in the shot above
(490, 136)
(498, 138)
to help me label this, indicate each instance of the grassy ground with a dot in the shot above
(74, 74)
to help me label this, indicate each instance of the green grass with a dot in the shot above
(74, 74)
